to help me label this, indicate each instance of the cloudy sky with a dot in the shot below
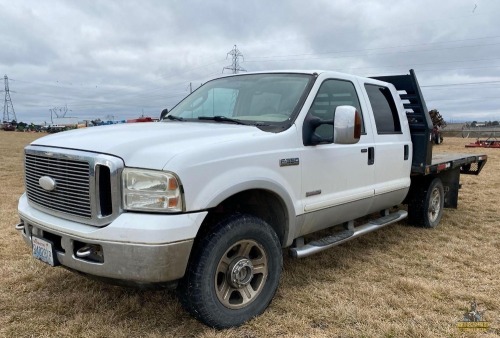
(120, 59)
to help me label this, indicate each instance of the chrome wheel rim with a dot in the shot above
(434, 205)
(241, 274)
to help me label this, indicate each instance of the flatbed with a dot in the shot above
(470, 164)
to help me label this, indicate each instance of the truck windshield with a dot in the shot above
(253, 99)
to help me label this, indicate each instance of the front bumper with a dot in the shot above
(136, 247)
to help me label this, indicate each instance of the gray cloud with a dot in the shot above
(124, 58)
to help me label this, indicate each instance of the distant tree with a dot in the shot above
(21, 126)
(473, 124)
(495, 123)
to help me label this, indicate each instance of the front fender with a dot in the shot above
(232, 182)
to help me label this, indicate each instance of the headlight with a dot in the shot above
(149, 190)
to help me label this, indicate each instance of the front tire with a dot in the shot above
(233, 273)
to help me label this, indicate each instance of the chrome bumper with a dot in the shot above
(123, 261)
(135, 247)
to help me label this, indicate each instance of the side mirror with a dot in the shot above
(163, 113)
(346, 125)
(309, 135)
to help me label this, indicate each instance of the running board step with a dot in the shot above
(339, 236)
(346, 235)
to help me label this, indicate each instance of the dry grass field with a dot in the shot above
(397, 282)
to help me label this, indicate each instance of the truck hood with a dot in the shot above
(150, 145)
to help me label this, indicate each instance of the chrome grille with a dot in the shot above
(88, 185)
(72, 193)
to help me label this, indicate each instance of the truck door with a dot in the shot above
(337, 179)
(392, 145)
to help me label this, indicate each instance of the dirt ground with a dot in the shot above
(399, 281)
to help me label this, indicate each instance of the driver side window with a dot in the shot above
(331, 94)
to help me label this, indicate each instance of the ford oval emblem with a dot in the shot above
(47, 183)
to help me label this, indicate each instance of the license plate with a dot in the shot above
(43, 250)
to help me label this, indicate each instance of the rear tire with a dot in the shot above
(425, 207)
(233, 272)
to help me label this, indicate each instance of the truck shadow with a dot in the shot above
(78, 300)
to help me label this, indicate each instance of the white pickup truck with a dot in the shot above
(243, 167)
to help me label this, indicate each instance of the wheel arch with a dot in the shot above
(265, 201)
(418, 200)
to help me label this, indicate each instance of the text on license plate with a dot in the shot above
(42, 250)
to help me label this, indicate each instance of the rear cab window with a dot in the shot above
(384, 109)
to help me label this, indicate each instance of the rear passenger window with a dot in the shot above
(331, 94)
(384, 109)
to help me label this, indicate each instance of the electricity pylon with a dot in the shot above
(235, 66)
(9, 114)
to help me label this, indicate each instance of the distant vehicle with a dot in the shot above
(8, 126)
(140, 119)
(438, 123)
(56, 129)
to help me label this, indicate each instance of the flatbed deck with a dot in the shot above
(470, 164)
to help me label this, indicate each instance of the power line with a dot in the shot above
(75, 85)
(427, 63)
(459, 84)
(377, 48)
(201, 66)
(370, 54)
(466, 99)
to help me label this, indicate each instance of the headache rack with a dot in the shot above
(418, 116)
(421, 125)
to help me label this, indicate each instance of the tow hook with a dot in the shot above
(84, 252)
(90, 252)
(20, 226)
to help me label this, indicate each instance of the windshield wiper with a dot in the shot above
(220, 118)
(174, 118)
